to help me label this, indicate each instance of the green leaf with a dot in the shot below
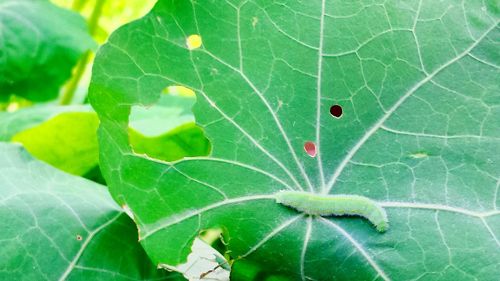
(65, 136)
(12, 123)
(60, 227)
(41, 44)
(170, 112)
(67, 141)
(420, 133)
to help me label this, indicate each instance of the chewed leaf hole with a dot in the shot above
(310, 148)
(336, 111)
(166, 130)
(194, 41)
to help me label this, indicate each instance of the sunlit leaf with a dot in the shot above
(418, 131)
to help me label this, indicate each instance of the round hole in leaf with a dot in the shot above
(310, 148)
(336, 111)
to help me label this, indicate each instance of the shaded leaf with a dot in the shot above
(41, 44)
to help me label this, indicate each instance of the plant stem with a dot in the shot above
(93, 23)
(94, 17)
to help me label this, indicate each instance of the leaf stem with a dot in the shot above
(93, 23)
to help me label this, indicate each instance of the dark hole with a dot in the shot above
(336, 111)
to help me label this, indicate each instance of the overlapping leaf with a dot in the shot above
(59, 227)
(418, 83)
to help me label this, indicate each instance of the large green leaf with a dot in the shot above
(55, 226)
(420, 133)
(40, 45)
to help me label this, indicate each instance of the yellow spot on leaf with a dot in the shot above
(179, 91)
(194, 42)
(211, 235)
(255, 20)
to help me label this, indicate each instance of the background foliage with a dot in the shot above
(417, 81)
(58, 225)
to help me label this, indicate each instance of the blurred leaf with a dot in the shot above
(185, 141)
(67, 141)
(166, 130)
(12, 123)
(41, 44)
(246, 271)
(63, 136)
(170, 112)
(60, 227)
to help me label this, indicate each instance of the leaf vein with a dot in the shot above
(389, 113)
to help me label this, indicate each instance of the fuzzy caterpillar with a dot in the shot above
(335, 205)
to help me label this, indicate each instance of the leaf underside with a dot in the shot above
(419, 133)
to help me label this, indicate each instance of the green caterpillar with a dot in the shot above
(335, 205)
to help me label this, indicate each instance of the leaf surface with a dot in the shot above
(55, 226)
(41, 44)
(417, 82)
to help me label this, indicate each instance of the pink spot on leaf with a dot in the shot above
(310, 148)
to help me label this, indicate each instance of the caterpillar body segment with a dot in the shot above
(335, 205)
